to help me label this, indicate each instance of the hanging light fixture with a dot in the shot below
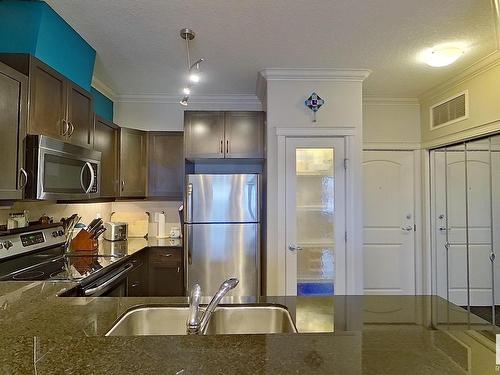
(193, 69)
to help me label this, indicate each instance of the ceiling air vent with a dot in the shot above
(449, 111)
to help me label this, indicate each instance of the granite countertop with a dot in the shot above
(46, 334)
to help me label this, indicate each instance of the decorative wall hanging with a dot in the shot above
(314, 103)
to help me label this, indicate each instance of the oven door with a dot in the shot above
(63, 171)
(112, 284)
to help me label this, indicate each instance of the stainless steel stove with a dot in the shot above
(32, 255)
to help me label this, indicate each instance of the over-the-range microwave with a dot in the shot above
(60, 171)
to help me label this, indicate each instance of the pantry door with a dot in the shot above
(315, 216)
(388, 222)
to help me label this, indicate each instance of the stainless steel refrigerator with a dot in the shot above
(222, 231)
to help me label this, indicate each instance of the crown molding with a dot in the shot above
(103, 88)
(389, 101)
(242, 100)
(318, 74)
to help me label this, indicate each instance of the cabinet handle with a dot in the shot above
(123, 185)
(22, 172)
(178, 269)
(227, 146)
(221, 146)
(71, 129)
(65, 128)
(134, 285)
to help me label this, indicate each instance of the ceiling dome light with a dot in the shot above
(442, 56)
(184, 101)
(186, 90)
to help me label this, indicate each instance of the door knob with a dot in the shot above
(408, 228)
(294, 248)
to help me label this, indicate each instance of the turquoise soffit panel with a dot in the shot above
(34, 27)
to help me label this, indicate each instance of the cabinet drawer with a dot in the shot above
(166, 257)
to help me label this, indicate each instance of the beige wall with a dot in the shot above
(484, 108)
(168, 115)
(393, 123)
(89, 211)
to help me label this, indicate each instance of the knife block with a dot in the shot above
(84, 242)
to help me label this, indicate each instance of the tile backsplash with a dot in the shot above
(89, 211)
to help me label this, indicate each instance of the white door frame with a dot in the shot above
(338, 145)
(354, 260)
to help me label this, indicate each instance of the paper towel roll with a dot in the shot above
(162, 230)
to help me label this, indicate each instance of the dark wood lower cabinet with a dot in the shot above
(166, 276)
(137, 278)
(157, 272)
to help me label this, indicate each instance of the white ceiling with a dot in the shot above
(140, 52)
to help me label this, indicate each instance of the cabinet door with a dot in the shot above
(165, 164)
(204, 134)
(166, 276)
(106, 141)
(13, 106)
(133, 163)
(48, 102)
(137, 278)
(244, 133)
(80, 116)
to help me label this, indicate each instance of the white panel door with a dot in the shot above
(388, 221)
(315, 216)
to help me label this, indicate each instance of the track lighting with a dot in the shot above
(184, 101)
(193, 69)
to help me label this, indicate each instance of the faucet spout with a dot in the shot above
(197, 324)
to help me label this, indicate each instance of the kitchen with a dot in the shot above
(174, 200)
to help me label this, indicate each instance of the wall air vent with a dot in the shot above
(449, 111)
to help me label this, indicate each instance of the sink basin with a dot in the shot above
(226, 320)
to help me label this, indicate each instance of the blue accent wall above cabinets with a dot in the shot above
(31, 26)
(103, 106)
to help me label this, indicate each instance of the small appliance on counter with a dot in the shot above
(116, 231)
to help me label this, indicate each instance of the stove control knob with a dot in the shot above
(55, 234)
(60, 232)
(7, 245)
(1, 246)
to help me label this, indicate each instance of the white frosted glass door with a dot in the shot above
(315, 216)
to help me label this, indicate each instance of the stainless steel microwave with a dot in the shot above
(61, 171)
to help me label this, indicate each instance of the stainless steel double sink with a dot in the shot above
(226, 320)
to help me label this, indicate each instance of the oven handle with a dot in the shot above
(92, 177)
(89, 292)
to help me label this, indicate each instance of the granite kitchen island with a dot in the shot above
(46, 334)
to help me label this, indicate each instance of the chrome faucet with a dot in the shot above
(198, 321)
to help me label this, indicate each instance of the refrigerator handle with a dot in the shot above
(189, 244)
(189, 203)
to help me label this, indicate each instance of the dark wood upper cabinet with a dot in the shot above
(13, 109)
(165, 165)
(48, 102)
(244, 135)
(133, 163)
(58, 108)
(204, 135)
(106, 137)
(217, 135)
(80, 116)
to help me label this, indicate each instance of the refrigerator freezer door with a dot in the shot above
(216, 252)
(222, 198)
